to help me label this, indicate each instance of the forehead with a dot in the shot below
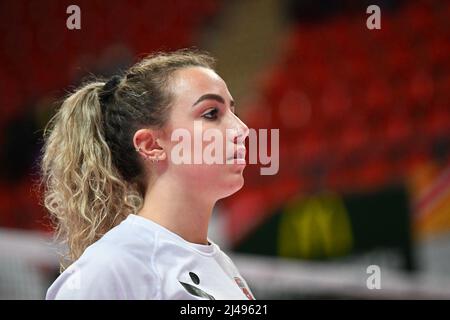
(192, 82)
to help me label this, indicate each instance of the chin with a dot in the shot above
(233, 186)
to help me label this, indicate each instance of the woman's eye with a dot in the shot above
(211, 115)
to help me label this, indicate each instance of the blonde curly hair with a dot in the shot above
(91, 174)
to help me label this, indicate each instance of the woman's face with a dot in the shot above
(203, 112)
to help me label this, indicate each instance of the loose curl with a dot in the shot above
(92, 176)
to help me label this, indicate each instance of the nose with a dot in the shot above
(242, 131)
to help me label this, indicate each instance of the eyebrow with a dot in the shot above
(212, 96)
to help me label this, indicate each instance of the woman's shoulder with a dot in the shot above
(118, 262)
(123, 242)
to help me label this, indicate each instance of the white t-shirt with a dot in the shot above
(140, 259)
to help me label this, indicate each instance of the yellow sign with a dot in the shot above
(315, 227)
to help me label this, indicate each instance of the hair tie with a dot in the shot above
(109, 88)
(112, 83)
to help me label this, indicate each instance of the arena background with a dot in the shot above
(364, 121)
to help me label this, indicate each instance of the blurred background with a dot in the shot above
(364, 120)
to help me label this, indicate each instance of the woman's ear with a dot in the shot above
(146, 143)
(161, 153)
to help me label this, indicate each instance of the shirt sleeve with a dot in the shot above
(107, 274)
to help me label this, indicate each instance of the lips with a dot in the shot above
(239, 155)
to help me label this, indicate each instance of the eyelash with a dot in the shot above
(214, 111)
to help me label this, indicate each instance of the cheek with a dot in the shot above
(198, 143)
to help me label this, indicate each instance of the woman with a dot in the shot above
(135, 221)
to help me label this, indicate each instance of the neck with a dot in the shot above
(170, 205)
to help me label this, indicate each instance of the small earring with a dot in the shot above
(138, 149)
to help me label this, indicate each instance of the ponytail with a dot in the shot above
(84, 192)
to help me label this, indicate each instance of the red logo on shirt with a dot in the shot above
(244, 289)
